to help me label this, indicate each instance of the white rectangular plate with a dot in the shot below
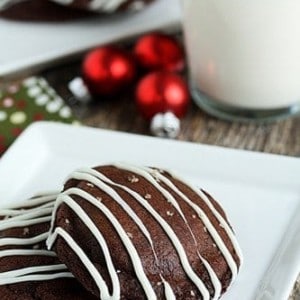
(260, 192)
(43, 43)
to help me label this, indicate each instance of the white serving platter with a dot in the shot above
(31, 46)
(260, 192)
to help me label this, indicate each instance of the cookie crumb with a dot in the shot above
(194, 216)
(148, 196)
(193, 294)
(67, 221)
(169, 213)
(205, 229)
(130, 235)
(132, 179)
(90, 184)
(118, 271)
(25, 231)
(99, 199)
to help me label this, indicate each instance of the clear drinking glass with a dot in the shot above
(244, 57)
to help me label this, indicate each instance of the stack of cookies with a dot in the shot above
(118, 232)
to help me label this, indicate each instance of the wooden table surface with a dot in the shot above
(120, 114)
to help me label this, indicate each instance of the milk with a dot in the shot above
(245, 53)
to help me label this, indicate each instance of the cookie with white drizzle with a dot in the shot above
(105, 6)
(129, 232)
(66, 9)
(27, 269)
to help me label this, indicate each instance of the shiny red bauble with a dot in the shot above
(160, 92)
(107, 70)
(158, 51)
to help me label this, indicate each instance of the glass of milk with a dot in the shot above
(244, 57)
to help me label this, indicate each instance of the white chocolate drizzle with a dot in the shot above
(24, 241)
(25, 214)
(158, 177)
(223, 223)
(122, 234)
(165, 226)
(96, 5)
(10, 223)
(97, 180)
(154, 176)
(106, 6)
(103, 288)
(104, 293)
(169, 294)
(208, 224)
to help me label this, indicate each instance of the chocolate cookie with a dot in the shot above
(129, 232)
(58, 10)
(27, 269)
(41, 11)
(108, 6)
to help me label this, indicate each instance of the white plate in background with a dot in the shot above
(31, 46)
(260, 192)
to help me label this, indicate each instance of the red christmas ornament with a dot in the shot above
(161, 92)
(157, 51)
(163, 97)
(107, 70)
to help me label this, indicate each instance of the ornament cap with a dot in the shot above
(165, 125)
(79, 90)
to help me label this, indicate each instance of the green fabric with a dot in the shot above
(29, 101)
